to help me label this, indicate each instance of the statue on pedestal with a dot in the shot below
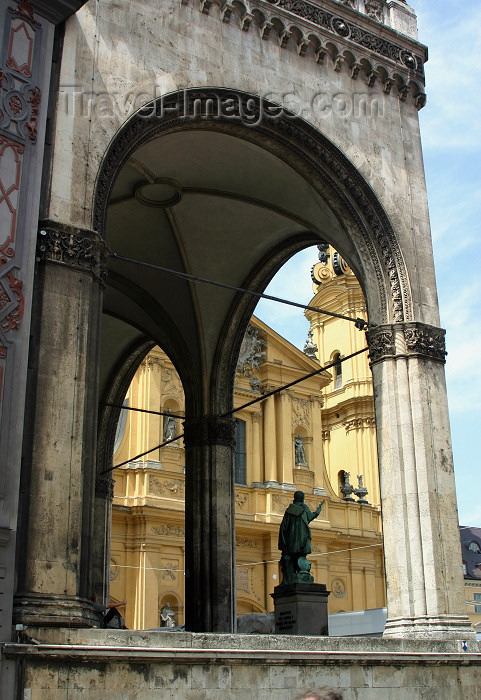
(295, 540)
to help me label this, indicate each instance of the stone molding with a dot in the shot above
(222, 110)
(417, 340)
(80, 249)
(54, 610)
(210, 430)
(356, 43)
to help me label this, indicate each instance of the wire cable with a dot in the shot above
(142, 410)
(360, 323)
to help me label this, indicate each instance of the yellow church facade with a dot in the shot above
(306, 438)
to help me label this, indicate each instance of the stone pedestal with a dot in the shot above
(301, 608)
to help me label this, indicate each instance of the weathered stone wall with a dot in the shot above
(103, 665)
(108, 73)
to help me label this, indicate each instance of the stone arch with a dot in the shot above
(361, 232)
(304, 147)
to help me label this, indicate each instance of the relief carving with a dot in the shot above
(338, 588)
(300, 412)
(426, 341)
(170, 489)
(77, 248)
(241, 500)
(242, 579)
(381, 343)
(169, 572)
(168, 530)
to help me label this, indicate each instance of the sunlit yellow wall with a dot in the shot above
(348, 415)
(148, 522)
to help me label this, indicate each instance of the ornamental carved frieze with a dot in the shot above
(284, 16)
(168, 530)
(381, 343)
(415, 339)
(173, 488)
(300, 412)
(20, 97)
(245, 542)
(80, 249)
(425, 341)
(241, 500)
(359, 423)
(210, 430)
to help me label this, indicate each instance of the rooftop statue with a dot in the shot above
(295, 540)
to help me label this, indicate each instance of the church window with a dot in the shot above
(337, 371)
(240, 471)
(477, 608)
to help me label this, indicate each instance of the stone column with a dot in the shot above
(425, 589)
(58, 480)
(209, 525)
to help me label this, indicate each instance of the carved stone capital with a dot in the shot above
(418, 339)
(425, 341)
(104, 487)
(81, 249)
(210, 430)
(381, 343)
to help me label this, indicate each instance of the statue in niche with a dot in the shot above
(295, 541)
(170, 426)
(300, 452)
(167, 616)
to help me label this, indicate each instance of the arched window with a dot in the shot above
(337, 370)
(240, 470)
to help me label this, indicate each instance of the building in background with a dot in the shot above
(348, 413)
(471, 553)
(310, 437)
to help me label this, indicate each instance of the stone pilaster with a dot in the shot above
(58, 479)
(270, 467)
(425, 592)
(210, 525)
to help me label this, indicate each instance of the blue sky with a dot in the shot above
(451, 128)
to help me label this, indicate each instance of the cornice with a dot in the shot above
(368, 48)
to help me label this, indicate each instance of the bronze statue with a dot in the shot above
(295, 540)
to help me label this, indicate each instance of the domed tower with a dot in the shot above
(349, 429)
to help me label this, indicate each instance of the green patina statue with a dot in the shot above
(295, 541)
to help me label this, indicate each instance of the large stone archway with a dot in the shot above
(189, 183)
